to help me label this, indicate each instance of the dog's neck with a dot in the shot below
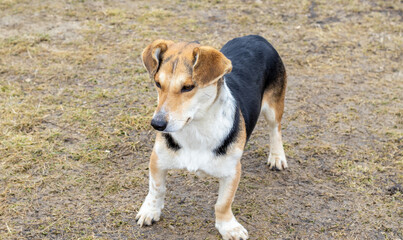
(214, 125)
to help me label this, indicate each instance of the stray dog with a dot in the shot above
(208, 104)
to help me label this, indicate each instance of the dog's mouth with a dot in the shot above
(170, 130)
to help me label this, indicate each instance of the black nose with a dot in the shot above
(159, 124)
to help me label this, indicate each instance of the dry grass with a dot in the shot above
(75, 105)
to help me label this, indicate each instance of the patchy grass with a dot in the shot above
(75, 106)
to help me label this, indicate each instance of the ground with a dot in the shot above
(76, 102)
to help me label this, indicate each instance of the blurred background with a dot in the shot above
(76, 102)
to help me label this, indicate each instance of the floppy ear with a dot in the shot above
(151, 55)
(210, 65)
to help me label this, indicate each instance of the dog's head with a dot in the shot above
(186, 76)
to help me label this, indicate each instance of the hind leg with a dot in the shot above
(272, 109)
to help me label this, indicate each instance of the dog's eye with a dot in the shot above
(187, 88)
(157, 84)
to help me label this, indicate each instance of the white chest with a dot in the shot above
(200, 159)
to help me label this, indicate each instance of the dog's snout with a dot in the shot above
(158, 122)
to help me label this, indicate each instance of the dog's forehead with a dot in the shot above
(181, 49)
(177, 62)
(179, 54)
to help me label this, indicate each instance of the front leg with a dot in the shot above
(226, 223)
(150, 211)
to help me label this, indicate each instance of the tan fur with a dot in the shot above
(171, 97)
(154, 170)
(275, 99)
(241, 140)
(223, 211)
(148, 56)
(183, 64)
(210, 65)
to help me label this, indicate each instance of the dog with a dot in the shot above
(208, 104)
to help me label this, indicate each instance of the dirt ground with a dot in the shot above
(76, 102)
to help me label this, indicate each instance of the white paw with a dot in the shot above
(147, 215)
(232, 230)
(277, 162)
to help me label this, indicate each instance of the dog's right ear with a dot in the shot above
(151, 55)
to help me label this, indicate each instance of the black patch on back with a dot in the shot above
(256, 67)
(231, 137)
(171, 143)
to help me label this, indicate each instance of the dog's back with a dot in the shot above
(256, 68)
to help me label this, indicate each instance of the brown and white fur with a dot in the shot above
(196, 113)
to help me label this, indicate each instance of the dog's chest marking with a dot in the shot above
(171, 143)
(231, 137)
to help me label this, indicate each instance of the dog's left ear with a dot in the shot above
(209, 65)
(152, 55)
